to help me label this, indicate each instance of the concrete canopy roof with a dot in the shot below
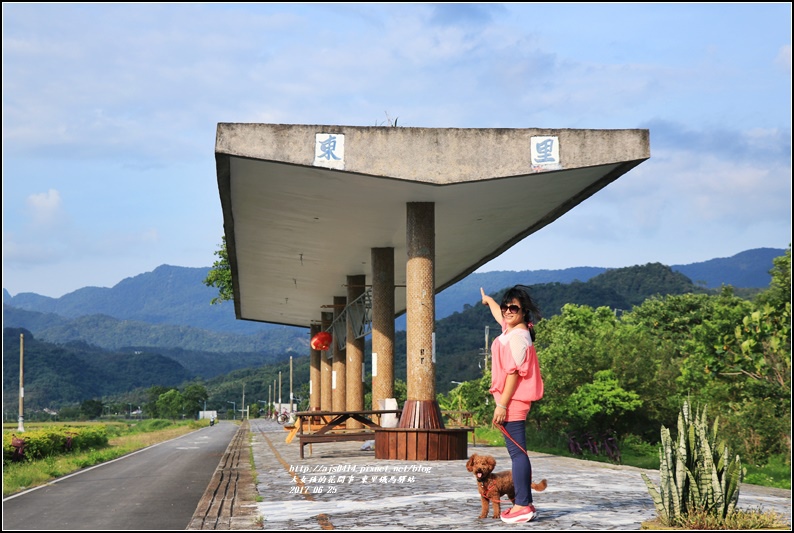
(296, 226)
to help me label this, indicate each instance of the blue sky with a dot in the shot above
(110, 111)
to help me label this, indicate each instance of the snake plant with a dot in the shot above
(696, 473)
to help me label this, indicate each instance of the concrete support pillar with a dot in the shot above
(354, 354)
(315, 381)
(338, 396)
(420, 300)
(421, 408)
(382, 325)
(326, 367)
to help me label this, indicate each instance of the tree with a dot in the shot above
(91, 409)
(679, 331)
(756, 369)
(732, 354)
(152, 395)
(194, 395)
(779, 291)
(472, 396)
(596, 406)
(647, 367)
(170, 404)
(571, 349)
(220, 275)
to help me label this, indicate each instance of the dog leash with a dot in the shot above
(506, 434)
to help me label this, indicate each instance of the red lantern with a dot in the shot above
(321, 341)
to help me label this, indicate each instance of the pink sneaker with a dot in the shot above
(527, 514)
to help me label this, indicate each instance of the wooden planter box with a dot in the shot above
(416, 444)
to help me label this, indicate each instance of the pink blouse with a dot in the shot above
(513, 351)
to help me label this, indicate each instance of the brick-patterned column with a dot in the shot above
(382, 325)
(326, 367)
(315, 382)
(354, 355)
(421, 408)
(338, 396)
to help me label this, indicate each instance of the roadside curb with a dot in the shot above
(227, 502)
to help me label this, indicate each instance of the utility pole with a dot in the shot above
(243, 404)
(21, 427)
(279, 392)
(485, 352)
(290, 385)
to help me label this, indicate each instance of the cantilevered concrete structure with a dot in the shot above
(307, 208)
(296, 230)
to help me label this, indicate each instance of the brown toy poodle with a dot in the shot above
(493, 486)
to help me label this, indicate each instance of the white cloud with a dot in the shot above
(24, 253)
(46, 209)
(120, 103)
(783, 58)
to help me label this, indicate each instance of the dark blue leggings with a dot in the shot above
(522, 469)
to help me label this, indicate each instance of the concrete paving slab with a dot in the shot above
(340, 486)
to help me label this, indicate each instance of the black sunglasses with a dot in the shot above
(513, 308)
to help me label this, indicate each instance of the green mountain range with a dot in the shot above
(99, 342)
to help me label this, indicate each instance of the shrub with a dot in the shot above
(52, 440)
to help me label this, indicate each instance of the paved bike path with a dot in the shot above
(157, 488)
